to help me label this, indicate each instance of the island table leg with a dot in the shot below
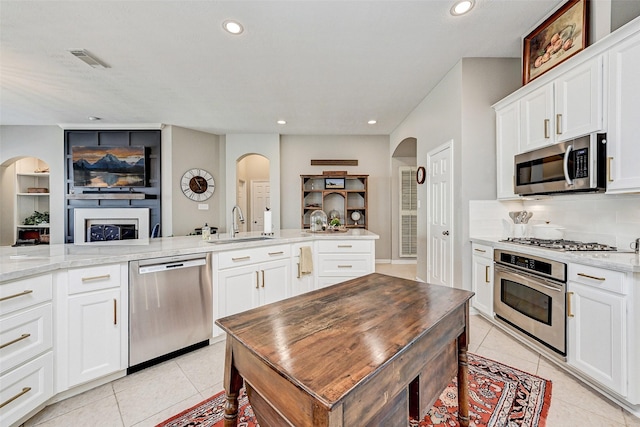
(463, 375)
(232, 385)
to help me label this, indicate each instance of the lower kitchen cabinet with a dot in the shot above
(340, 260)
(249, 278)
(597, 325)
(482, 279)
(94, 332)
(26, 356)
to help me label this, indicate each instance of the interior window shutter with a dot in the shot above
(408, 211)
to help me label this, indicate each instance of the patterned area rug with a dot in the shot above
(498, 395)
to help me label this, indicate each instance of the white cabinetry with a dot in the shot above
(507, 143)
(568, 107)
(300, 283)
(482, 279)
(340, 260)
(623, 149)
(597, 325)
(249, 278)
(96, 327)
(26, 347)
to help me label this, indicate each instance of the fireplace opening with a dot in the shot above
(106, 232)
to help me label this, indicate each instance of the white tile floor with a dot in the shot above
(155, 394)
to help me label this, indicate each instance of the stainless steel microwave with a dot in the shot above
(570, 166)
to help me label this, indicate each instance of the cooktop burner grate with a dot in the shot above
(560, 244)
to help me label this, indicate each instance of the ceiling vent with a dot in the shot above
(85, 57)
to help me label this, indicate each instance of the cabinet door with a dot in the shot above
(536, 112)
(507, 146)
(623, 149)
(274, 281)
(482, 281)
(579, 102)
(94, 335)
(596, 335)
(237, 290)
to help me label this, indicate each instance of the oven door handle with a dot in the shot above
(529, 278)
(565, 165)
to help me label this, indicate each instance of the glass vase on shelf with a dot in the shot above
(318, 221)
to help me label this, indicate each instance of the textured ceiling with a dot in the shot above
(326, 67)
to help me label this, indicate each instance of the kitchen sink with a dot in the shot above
(239, 240)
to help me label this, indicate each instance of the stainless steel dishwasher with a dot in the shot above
(170, 307)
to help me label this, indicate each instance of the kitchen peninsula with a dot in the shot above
(65, 307)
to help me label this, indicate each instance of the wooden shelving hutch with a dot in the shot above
(317, 195)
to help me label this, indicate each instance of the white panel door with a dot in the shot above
(260, 200)
(439, 230)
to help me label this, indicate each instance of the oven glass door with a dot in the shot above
(532, 304)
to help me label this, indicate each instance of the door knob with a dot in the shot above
(445, 233)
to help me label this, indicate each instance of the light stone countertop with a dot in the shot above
(622, 261)
(24, 261)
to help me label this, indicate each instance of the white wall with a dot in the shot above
(46, 143)
(237, 146)
(459, 109)
(184, 149)
(374, 160)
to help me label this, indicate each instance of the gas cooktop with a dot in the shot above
(560, 244)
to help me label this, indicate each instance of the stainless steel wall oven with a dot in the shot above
(530, 295)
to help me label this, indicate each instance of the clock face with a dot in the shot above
(197, 184)
(420, 175)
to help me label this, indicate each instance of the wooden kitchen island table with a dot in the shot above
(371, 351)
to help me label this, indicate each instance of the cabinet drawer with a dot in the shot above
(483, 251)
(609, 280)
(344, 246)
(344, 265)
(25, 335)
(94, 278)
(25, 293)
(25, 388)
(248, 256)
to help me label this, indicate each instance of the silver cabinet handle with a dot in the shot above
(104, 276)
(262, 278)
(276, 253)
(242, 258)
(558, 124)
(480, 250)
(115, 311)
(344, 246)
(25, 390)
(609, 159)
(257, 280)
(26, 292)
(20, 338)
(486, 273)
(345, 266)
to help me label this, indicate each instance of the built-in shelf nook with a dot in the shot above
(335, 192)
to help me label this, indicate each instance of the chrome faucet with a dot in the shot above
(234, 223)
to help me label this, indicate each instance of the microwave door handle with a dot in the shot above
(528, 278)
(565, 165)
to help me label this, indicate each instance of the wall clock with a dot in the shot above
(420, 175)
(197, 184)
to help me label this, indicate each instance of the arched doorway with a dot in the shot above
(24, 201)
(404, 195)
(253, 190)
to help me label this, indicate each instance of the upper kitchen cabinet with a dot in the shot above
(623, 149)
(565, 108)
(507, 142)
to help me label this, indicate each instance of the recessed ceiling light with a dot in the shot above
(94, 118)
(462, 7)
(232, 27)
(282, 122)
(372, 122)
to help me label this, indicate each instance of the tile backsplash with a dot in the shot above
(610, 219)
